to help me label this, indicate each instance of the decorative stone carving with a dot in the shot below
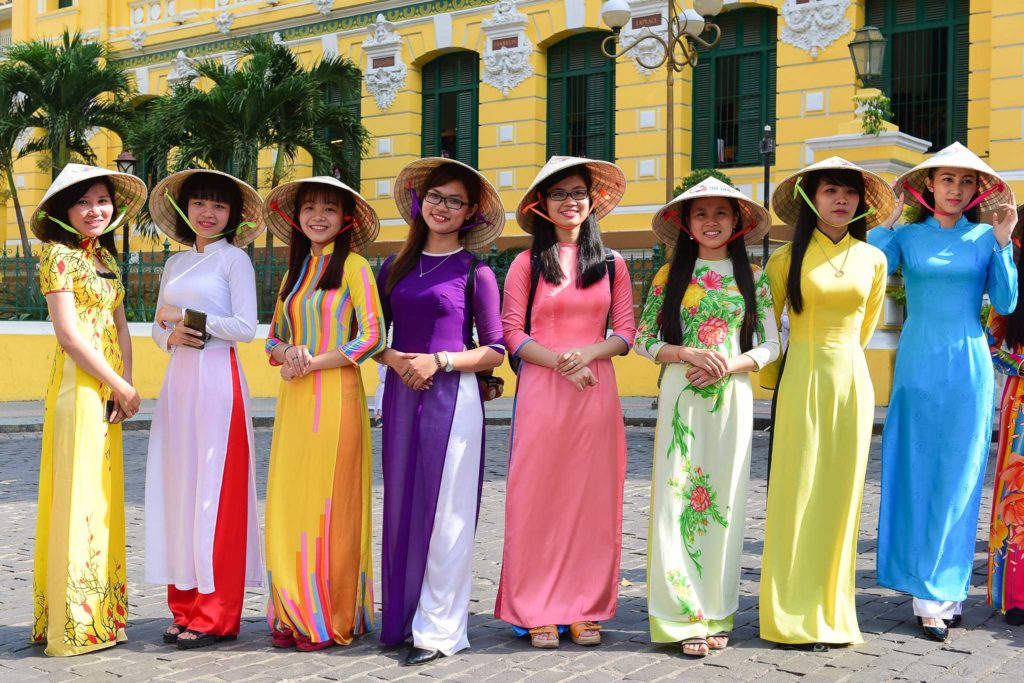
(507, 55)
(648, 18)
(385, 72)
(277, 38)
(223, 21)
(137, 38)
(230, 59)
(182, 70)
(814, 25)
(323, 6)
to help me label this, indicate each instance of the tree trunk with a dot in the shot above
(268, 256)
(25, 247)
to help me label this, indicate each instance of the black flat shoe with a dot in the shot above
(201, 640)
(1015, 616)
(172, 638)
(419, 655)
(936, 633)
(804, 647)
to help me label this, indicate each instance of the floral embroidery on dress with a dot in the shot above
(700, 507)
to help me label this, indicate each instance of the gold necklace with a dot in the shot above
(841, 270)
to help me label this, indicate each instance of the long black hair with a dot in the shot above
(807, 223)
(590, 267)
(416, 240)
(59, 206)
(1015, 321)
(919, 213)
(300, 245)
(681, 273)
(211, 187)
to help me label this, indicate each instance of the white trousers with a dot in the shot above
(937, 609)
(441, 621)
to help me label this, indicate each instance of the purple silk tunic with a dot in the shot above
(428, 314)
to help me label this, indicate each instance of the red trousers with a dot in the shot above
(220, 612)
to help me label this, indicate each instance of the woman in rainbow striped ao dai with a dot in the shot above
(327, 322)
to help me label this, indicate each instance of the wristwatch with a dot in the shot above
(449, 366)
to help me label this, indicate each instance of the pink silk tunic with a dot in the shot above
(563, 512)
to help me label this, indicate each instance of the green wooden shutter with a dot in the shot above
(556, 116)
(431, 133)
(703, 104)
(466, 136)
(960, 74)
(599, 134)
(751, 98)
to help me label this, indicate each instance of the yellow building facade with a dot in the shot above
(504, 84)
(781, 62)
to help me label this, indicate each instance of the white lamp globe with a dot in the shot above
(615, 14)
(708, 8)
(694, 25)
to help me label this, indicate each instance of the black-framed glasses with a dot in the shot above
(562, 195)
(453, 203)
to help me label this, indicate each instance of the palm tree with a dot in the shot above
(269, 101)
(13, 124)
(77, 90)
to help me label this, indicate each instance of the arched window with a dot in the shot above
(348, 94)
(734, 91)
(451, 98)
(926, 65)
(581, 98)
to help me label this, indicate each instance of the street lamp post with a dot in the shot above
(125, 163)
(679, 48)
(767, 149)
(867, 50)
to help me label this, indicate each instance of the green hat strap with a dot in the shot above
(798, 190)
(242, 227)
(42, 215)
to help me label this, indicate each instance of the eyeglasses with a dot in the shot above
(453, 203)
(562, 195)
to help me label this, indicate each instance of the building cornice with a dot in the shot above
(300, 28)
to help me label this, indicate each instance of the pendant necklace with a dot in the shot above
(435, 267)
(841, 270)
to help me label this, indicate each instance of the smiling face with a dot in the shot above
(837, 204)
(568, 212)
(712, 221)
(953, 188)
(320, 215)
(209, 217)
(91, 213)
(437, 209)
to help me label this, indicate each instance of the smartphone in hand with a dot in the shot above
(196, 320)
(108, 412)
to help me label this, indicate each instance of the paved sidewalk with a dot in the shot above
(986, 649)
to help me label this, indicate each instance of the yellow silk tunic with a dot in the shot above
(820, 440)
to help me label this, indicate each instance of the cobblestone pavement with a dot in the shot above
(985, 649)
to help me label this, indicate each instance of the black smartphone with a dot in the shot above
(109, 410)
(196, 320)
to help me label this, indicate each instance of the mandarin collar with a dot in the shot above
(212, 247)
(933, 222)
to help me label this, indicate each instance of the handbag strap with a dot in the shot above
(470, 282)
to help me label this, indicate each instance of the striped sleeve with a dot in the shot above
(369, 316)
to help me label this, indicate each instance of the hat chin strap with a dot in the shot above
(242, 227)
(42, 215)
(977, 200)
(797, 190)
(348, 222)
(673, 216)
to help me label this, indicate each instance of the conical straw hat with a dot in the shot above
(129, 190)
(414, 176)
(877, 193)
(166, 218)
(957, 156)
(608, 185)
(283, 196)
(751, 213)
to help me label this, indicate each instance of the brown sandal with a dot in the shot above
(721, 635)
(579, 627)
(544, 643)
(695, 642)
